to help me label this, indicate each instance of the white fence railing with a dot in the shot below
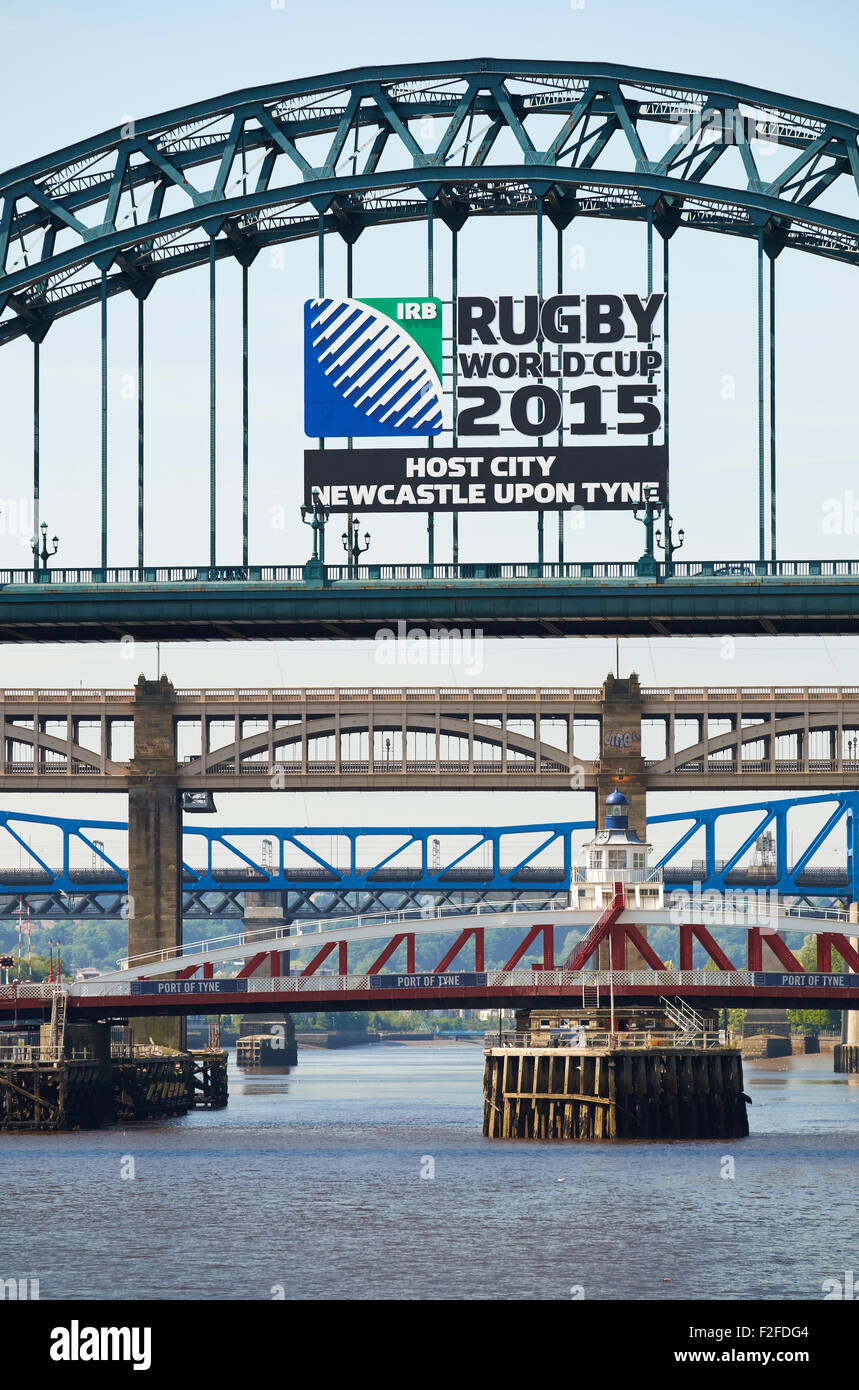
(324, 982)
(606, 877)
(39, 989)
(596, 1040)
(520, 979)
(829, 914)
(297, 931)
(10, 1053)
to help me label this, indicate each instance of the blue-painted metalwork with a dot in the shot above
(503, 859)
(227, 176)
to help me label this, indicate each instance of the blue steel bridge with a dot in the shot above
(329, 869)
(330, 159)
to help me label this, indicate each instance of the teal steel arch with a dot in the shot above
(228, 176)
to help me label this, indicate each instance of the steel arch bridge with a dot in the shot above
(436, 142)
(371, 868)
(269, 164)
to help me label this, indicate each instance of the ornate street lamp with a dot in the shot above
(353, 547)
(670, 545)
(648, 517)
(316, 516)
(43, 554)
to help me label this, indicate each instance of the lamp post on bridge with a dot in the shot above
(353, 547)
(43, 554)
(315, 516)
(669, 544)
(646, 566)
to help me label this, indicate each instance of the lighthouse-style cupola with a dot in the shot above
(616, 811)
(617, 854)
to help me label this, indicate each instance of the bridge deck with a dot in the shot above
(494, 989)
(799, 597)
(390, 738)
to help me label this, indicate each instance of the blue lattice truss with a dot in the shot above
(509, 860)
(351, 150)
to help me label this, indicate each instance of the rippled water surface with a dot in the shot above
(311, 1181)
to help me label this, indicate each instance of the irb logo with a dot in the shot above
(373, 367)
(417, 309)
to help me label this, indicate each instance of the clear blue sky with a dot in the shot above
(73, 69)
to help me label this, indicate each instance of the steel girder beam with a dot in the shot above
(262, 164)
(531, 606)
(520, 869)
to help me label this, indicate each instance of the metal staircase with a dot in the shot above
(687, 1021)
(57, 1035)
(590, 996)
(585, 948)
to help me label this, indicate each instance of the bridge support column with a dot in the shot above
(621, 764)
(534, 1088)
(620, 760)
(852, 1015)
(264, 910)
(154, 845)
(92, 1040)
(273, 1033)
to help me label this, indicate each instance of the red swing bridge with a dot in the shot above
(614, 898)
(302, 968)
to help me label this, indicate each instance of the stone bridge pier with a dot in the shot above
(154, 844)
(620, 760)
(621, 765)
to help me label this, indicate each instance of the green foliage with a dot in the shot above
(343, 1022)
(96, 944)
(807, 956)
(813, 1020)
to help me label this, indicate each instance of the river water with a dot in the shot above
(310, 1186)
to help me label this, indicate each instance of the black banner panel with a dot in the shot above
(620, 478)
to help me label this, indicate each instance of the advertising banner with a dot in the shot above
(455, 981)
(393, 480)
(553, 402)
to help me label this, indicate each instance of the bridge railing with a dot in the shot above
(36, 989)
(559, 902)
(599, 1040)
(531, 982)
(423, 694)
(618, 571)
(833, 914)
(11, 1053)
(605, 877)
(327, 982)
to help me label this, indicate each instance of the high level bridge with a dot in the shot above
(453, 738)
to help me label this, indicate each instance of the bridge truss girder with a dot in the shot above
(520, 859)
(337, 154)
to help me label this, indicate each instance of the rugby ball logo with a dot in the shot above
(372, 367)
